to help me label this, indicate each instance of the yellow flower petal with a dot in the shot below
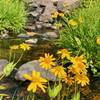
(34, 73)
(42, 87)
(32, 86)
(28, 77)
(98, 40)
(58, 71)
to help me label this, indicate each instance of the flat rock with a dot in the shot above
(23, 36)
(42, 2)
(32, 7)
(30, 33)
(51, 35)
(30, 28)
(39, 25)
(33, 66)
(3, 63)
(46, 16)
(31, 41)
(4, 36)
(67, 5)
(49, 26)
(33, 14)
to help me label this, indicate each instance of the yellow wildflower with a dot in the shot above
(55, 14)
(61, 14)
(72, 22)
(64, 53)
(98, 40)
(72, 69)
(78, 68)
(69, 80)
(14, 47)
(47, 61)
(25, 46)
(78, 59)
(59, 72)
(36, 81)
(82, 79)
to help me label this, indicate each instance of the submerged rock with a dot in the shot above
(3, 63)
(4, 36)
(33, 66)
(23, 36)
(31, 41)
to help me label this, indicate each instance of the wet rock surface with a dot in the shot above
(40, 11)
(28, 67)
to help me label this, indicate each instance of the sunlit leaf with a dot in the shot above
(55, 91)
(78, 41)
(9, 68)
(2, 94)
(76, 97)
(2, 87)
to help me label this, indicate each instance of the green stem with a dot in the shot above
(33, 97)
(20, 58)
(2, 76)
(10, 55)
(51, 99)
(68, 92)
(75, 87)
(14, 57)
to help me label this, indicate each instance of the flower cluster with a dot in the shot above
(56, 14)
(78, 70)
(75, 73)
(22, 46)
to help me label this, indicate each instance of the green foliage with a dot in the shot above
(12, 15)
(82, 37)
(76, 96)
(2, 87)
(55, 91)
(9, 68)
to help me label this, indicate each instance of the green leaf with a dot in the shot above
(76, 97)
(2, 87)
(1, 97)
(77, 41)
(94, 70)
(9, 68)
(55, 91)
(2, 94)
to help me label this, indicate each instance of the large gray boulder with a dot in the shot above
(3, 63)
(33, 66)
